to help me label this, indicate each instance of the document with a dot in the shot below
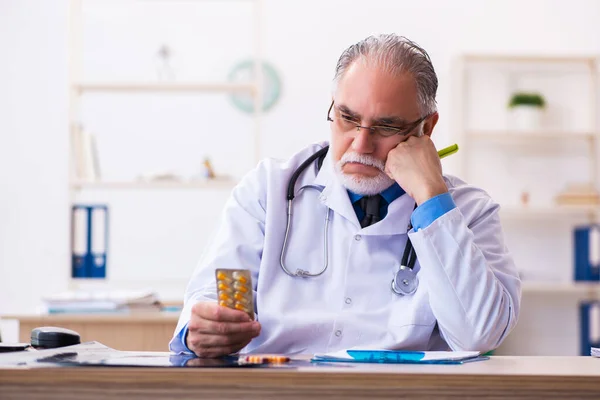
(399, 356)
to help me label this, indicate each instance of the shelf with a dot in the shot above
(164, 87)
(549, 213)
(514, 136)
(590, 289)
(135, 185)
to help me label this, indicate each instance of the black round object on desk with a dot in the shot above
(51, 337)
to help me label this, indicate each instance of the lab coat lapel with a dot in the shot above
(396, 220)
(334, 195)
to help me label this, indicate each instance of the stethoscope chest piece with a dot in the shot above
(405, 282)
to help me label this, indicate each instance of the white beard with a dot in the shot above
(366, 186)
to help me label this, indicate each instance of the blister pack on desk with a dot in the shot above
(234, 290)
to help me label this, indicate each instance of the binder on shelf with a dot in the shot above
(79, 252)
(99, 238)
(589, 321)
(89, 232)
(587, 253)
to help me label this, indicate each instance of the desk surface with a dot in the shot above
(499, 377)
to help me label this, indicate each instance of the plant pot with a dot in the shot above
(526, 118)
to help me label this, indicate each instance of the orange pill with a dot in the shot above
(225, 303)
(241, 307)
(222, 276)
(266, 358)
(242, 288)
(224, 296)
(223, 286)
(240, 297)
(240, 277)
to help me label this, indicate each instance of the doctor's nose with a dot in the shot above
(363, 141)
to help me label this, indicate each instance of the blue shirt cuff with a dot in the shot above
(182, 334)
(431, 210)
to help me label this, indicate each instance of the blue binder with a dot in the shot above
(89, 232)
(588, 326)
(585, 238)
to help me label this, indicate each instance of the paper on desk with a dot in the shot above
(397, 356)
(595, 352)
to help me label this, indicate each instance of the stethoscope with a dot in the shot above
(405, 281)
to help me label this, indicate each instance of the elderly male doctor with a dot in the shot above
(380, 184)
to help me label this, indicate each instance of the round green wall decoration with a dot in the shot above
(244, 72)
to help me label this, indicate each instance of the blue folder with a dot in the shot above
(399, 357)
(90, 238)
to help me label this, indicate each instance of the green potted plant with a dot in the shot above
(526, 109)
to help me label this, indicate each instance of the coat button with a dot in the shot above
(338, 333)
(348, 300)
(357, 238)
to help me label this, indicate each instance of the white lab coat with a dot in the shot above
(469, 292)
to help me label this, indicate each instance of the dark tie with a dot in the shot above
(370, 205)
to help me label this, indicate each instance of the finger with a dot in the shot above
(212, 341)
(215, 312)
(213, 352)
(217, 351)
(223, 328)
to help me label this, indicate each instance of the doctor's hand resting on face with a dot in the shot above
(215, 331)
(415, 165)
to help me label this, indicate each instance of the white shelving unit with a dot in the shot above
(80, 87)
(543, 140)
(546, 139)
(540, 231)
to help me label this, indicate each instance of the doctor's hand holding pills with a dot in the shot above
(215, 331)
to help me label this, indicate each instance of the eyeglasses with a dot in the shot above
(347, 123)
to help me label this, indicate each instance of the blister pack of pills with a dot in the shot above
(263, 359)
(234, 290)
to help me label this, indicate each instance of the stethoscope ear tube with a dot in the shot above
(300, 169)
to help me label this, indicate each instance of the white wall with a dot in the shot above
(162, 234)
(33, 147)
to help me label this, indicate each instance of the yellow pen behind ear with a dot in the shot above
(446, 151)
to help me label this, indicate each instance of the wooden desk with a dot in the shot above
(145, 331)
(500, 377)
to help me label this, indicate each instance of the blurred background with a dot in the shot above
(133, 120)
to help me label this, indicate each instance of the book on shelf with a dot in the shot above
(84, 153)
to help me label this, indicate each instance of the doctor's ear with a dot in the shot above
(430, 123)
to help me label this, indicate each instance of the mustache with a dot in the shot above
(362, 159)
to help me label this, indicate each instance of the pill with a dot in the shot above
(240, 287)
(241, 307)
(240, 297)
(223, 277)
(240, 277)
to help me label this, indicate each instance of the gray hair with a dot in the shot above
(396, 54)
